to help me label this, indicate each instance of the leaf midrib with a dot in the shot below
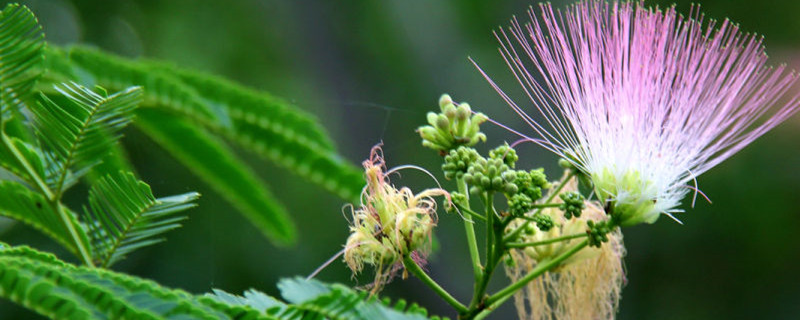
(71, 154)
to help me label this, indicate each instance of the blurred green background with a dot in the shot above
(369, 71)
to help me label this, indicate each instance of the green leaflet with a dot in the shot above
(212, 161)
(271, 127)
(58, 290)
(82, 129)
(123, 215)
(20, 58)
(19, 203)
(312, 299)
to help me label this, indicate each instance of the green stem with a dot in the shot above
(515, 233)
(546, 205)
(544, 242)
(472, 214)
(53, 200)
(73, 232)
(490, 218)
(28, 167)
(501, 296)
(493, 247)
(412, 267)
(469, 229)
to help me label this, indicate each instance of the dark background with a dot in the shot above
(369, 70)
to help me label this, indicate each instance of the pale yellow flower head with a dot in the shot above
(389, 223)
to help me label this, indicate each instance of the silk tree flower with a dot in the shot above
(389, 224)
(642, 100)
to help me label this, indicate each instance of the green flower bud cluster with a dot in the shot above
(458, 161)
(598, 232)
(530, 183)
(519, 204)
(506, 153)
(455, 197)
(543, 222)
(490, 175)
(453, 127)
(573, 204)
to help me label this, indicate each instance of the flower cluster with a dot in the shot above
(390, 223)
(453, 127)
(642, 100)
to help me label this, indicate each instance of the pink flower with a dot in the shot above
(643, 100)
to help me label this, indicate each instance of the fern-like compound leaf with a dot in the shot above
(21, 43)
(311, 299)
(123, 215)
(258, 121)
(81, 133)
(48, 286)
(42, 283)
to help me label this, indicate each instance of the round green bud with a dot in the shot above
(442, 123)
(462, 113)
(498, 183)
(486, 183)
(510, 188)
(564, 163)
(475, 190)
(444, 100)
(449, 111)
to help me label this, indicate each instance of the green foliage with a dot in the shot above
(59, 290)
(82, 132)
(62, 291)
(50, 142)
(123, 216)
(201, 106)
(20, 57)
(311, 299)
(18, 202)
(56, 133)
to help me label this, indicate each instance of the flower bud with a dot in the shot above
(445, 100)
(455, 126)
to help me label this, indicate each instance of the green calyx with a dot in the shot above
(454, 126)
(631, 200)
(572, 205)
(457, 162)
